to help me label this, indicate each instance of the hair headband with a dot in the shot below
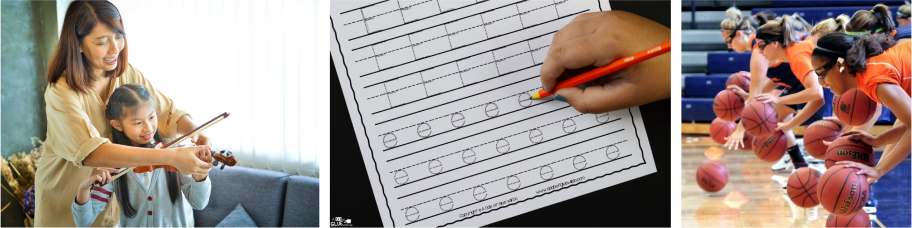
(902, 15)
(839, 54)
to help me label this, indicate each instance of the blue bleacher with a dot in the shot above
(836, 3)
(698, 110)
(727, 62)
(817, 14)
(704, 85)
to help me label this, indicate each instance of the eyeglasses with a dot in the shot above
(731, 37)
(821, 75)
(762, 44)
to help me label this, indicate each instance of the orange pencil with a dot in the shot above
(610, 68)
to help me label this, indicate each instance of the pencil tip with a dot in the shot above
(535, 96)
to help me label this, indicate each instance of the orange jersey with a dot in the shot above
(892, 66)
(799, 55)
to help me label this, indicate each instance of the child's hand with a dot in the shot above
(99, 175)
(205, 156)
(597, 39)
(186, 159)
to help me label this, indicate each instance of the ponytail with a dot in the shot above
(831, 25)
(778, 30)
(877, 20)
(866, 46)
(903, 11)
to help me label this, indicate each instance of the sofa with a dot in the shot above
(271, 198)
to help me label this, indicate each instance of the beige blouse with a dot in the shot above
(76, 126)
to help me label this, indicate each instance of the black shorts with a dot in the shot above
(787, 91)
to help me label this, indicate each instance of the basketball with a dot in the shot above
(748, 142)
(855, 220)
(802, 187)
(719, 129)
(759, 118)
(712, 176)
(842, 192)
(854, 107)
(728, 105)
(816, 133)
(845, 149)
(740, 79)
(771, 147)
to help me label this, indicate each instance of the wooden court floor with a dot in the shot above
(754, 198)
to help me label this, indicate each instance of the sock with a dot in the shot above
(797, 159)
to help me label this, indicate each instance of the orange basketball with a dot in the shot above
(712, 176)
(771, 147)
(759, 118)
(802, 187)
(740, 79)
(842, 191)
(845, 149)
(854, 107)
(719, 129)
(860, 219)
(728, 105)
(816, 133)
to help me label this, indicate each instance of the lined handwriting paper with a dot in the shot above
(439, 94)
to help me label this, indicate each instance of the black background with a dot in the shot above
(645, 201)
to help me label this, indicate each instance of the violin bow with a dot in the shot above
(184, 137)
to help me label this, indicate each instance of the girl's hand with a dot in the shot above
(738, 90)
(205, 156)
(99, 175)
(767, 98)
(735, 140)
(785, 126)
(864, 137)
(872, 173)
(187, 160)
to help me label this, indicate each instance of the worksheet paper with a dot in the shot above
(439, 95)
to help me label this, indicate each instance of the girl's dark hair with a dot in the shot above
(871, 20)
(854, 49)
(81, 17)
(124, 99)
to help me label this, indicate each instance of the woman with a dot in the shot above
(881, 70)
(739, 32)
(89, 61)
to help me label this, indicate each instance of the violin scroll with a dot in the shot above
(225, 158)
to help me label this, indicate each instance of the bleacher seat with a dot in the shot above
(836, 3)
(703, 85)
(727, 62)
(698, 110)
(817, 14)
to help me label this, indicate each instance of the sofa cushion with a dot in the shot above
(302, 202)
(262, 192)
(237, 218)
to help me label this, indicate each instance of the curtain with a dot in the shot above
(253, 59)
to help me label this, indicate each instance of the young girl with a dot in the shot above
(782, 79)
(881, 70)
(159, 197)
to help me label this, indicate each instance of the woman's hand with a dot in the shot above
(187, 160)
(738, 90)
(864, 137)
(735, 140)
(201, 140)
(767, 98)
(785, 126)
(597, 39)
(872, 173)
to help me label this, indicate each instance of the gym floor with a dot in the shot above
(754, 196)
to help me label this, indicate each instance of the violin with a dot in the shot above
(226, 160)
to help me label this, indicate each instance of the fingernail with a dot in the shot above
(560, 98)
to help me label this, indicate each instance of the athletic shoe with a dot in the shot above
(783, 164)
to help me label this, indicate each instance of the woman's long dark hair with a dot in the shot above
(854, 49)
(127, 98)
